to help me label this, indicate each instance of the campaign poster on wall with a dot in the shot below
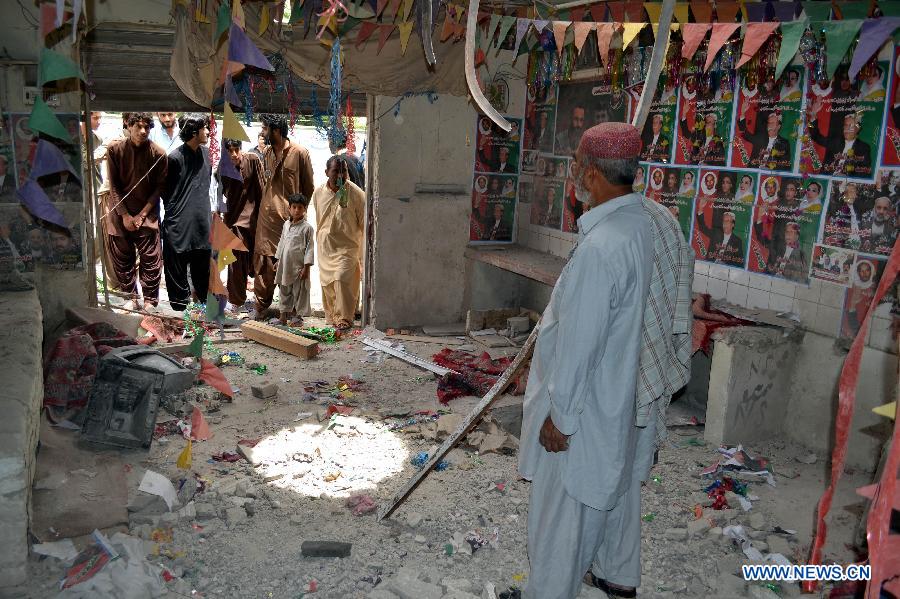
(769, 119)
(547, 202)
(583, 104)
(59, 187)
(493, 215)
(675, 189)
(844, 120)
(658, 136)
(704, 120)
(832, 264)
(540, 116)
(864, 279)
(785, 226)
(861, 216)
(891, 156)
(722, 214)
(497, 150)
(30, 243)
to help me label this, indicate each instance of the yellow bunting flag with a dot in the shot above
(630, 31)
(404, 10)
(682, 12)
(237, 13)
(653, 10)
(226, 257)
(231, 127)
(185, 458)
(405, 30)
(888, 410)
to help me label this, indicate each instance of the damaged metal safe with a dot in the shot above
(126, 394)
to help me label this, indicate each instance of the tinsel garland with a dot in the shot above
(214, 148)
(351, 128)
(334, 99)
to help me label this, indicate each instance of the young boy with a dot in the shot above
(295, 256)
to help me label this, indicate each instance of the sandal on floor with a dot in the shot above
(613, 592)
(295, 323)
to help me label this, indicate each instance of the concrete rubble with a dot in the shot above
(243, 529)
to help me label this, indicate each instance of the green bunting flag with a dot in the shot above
(196, 347)
(223, 20)
(54, 67)
(212, 308)
(44, 120)
(838, 37)
(817, 10)
(791, 32)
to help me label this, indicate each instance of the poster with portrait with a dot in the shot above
(640, 178)
(831, 264)
(540, 116)
(61, 187)
(704, 120)
(844, 121)
(891, 156)
(862, 216)
(7, 161)
(547, 202)
(31, 243)
(548, 165)
(768, 122)
(583, 104)
(675, 189)
(493, 217)
(529, 161)
(526, 189)
(497, 151)
(785, 226)
(722, 214)
(658, 136)
(864, 279)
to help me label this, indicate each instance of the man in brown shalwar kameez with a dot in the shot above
(241, 212)
(137, 176)
(287, 170)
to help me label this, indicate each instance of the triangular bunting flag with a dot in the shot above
(838, 37)
(48, 160)
(693, 35)
(539, 25)
(873, 35)
(365, 32)
(199, 427)
(223, 20)
(755, 35)
(212, 307)
(616, 11)
(382, 4)
(582, 30)
(653, 9)
(264, 19)
(888, 410)
(227, 169)
(506, 24)
(221, 237)
(578, 14)
(785, 11)
(634, 11)
(242, 50)
(855, 9)
(492, 29)
(55, 67)
(44, 120)
(212, 376)
(405, 31)
(237, 14)
(405, 8)
(817, 10)
(394, 8)
(185, 460)
(721, 32)
(791, 32)
(559, 34)
(347, 26)
(196, 347)
(297, 12)
(215, 283)
(522, 26)
(726, 11)
(225, 258)
(384, 32)
(605, 33)
(38, 204)
(598, 12)
(682, 12)
(630, 31)
(359, 9)
(231, 128)
(449, 27)
(702, 11)
(231, 96)
(755, 11)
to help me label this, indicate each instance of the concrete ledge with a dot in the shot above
(21, 395)
(527, 262)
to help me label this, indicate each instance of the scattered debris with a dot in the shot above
(361, 504)
(157, 484)
(388, 348)
(325, 549)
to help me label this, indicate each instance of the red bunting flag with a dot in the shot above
(212, 376)
(366, 30)
(605, 32)
(384, 32)
(726, 11)
(720, 34)
(616, 11)
(693, 35)
(755, 36)
(199, 426)
(702, 11)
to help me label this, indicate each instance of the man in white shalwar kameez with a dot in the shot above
(340, 213)
(579, 437)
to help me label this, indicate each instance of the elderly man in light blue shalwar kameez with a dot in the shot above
(579, 441)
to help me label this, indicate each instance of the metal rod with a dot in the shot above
(656, 63)
(471, 80)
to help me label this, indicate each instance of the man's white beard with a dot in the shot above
(583, 195)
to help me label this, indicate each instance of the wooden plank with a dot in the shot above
(511, 372)
(280, 340)
(406, 356)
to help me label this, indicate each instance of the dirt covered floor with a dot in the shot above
(461, 534)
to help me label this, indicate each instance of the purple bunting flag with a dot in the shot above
(39, 205)
(756, 11)
(231, 95)
(227, 169)
(873, 34)
(48, 160)
(785, 11)
(244, 51)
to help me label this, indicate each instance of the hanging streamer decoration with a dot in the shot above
(214, 148)
(334, 101)
(351, 128)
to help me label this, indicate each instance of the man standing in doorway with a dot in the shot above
(187, 220)
(355, 166)
(166, 135)
(260, 149)
(241, 211)
(578, 434)
(137, 171)
(340, 214)
(287, 171)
